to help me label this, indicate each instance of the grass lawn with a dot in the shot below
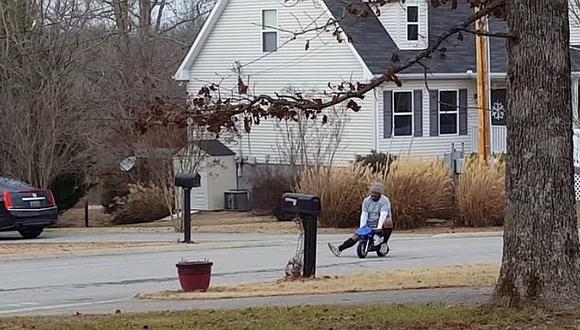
(38, 249)
(335, 317)
(478, 275)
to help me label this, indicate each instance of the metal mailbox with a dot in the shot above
(187, 181)
(301, 205)
(306, 207)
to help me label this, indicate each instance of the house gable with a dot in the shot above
(183, 72)
(234, 50)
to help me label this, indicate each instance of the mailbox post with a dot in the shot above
(187, 181)
(307, 208)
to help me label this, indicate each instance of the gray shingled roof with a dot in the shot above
(214, 148)
(376, 47)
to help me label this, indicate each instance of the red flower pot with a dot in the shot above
(194, 275)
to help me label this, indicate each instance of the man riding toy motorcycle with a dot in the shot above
(376, 213)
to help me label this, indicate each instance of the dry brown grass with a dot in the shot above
(143, 204)
(578, 213)
(481, 195)
(418, 190)
(480, 275)
(22, 250)
(265, 227)
(341, 190)
(75, 218)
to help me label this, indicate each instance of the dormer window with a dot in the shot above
(406, 22)
(412, 23)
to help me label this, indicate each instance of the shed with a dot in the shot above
(217, 171)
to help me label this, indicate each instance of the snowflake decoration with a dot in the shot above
(498, 111)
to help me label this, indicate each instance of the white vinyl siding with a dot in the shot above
(237, 37)
(448, 112)
(574, 22)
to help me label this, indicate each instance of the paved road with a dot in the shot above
(104, 283)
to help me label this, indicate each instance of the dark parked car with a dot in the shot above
(25, 209)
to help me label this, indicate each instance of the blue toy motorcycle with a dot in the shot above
(367, 243)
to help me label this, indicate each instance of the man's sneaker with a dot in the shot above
(334, 250)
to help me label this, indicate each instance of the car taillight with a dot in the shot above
(8, 200)
(51, 199)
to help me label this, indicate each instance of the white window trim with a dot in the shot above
(456, 112)
(412, 23)
(268, 29)
(405, 113)
(423, 41)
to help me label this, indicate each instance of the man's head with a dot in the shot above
(376, 191)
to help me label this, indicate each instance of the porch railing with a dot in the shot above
(498, 139)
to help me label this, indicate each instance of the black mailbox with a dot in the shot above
(188, 180)
(302, 205)
(307, 208)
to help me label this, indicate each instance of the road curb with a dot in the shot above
(480, 234)
(137, 250)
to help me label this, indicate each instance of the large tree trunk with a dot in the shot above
(540, 256)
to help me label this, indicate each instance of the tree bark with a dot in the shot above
(540, 256)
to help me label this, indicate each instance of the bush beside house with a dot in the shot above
(144, 203)
(418, 190)
(267, 185)
(481, 195)
(341, 190)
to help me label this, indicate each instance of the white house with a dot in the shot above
(423, 117)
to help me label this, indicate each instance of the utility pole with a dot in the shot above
(483, 82)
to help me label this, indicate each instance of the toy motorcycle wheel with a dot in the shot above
(383, 250)
(363, 249)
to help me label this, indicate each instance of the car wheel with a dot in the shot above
(30, 233)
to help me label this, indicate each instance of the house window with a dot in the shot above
(412, 23)
(269, 32)
(403, 113)
(448, 112)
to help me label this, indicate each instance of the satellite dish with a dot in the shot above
(189, 121)
(127, 164)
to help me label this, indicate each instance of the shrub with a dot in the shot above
(68, 189)
(142, 204)
(341, 190)
(378, 162)
(418, 190)
(268, 186)
(113, 187)
(481, 194)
